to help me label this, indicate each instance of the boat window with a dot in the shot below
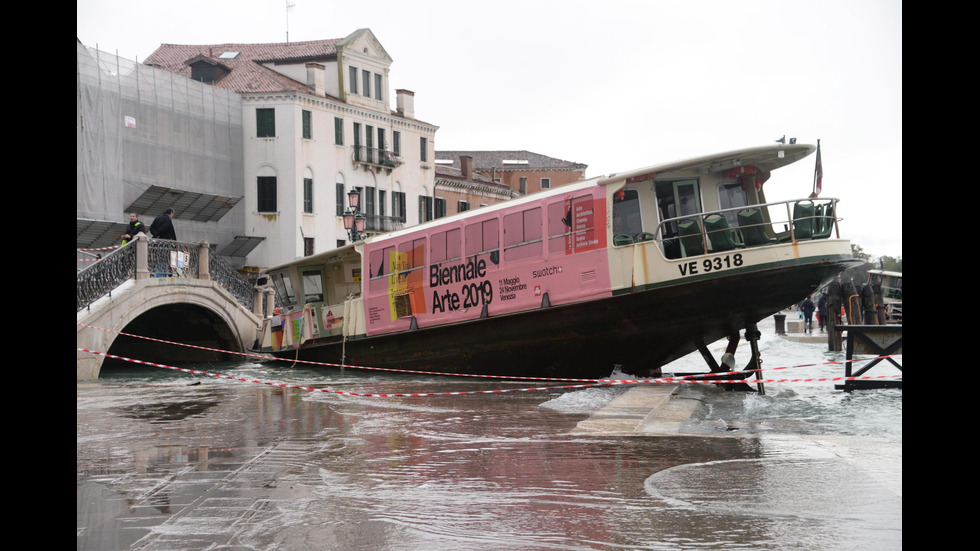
(688, 197)
(676, 198)
(411, 254)
(312, 286)
(571, 225)
(522, 234)
(626, 213)
(559, 225)
(380, 267)
(483, 237)
(732, 195)
(445, 246)
(284, 288)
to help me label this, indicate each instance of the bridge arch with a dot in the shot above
(189, 311)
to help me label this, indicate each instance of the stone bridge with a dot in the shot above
(164, 291)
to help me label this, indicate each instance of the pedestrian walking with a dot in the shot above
(822, 310)
(163, 226)
(807, 307)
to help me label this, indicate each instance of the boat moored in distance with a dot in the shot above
(632, 269)
(889, 283)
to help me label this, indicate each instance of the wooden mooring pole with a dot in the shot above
(883, 341)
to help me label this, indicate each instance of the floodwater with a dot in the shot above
(170, 460)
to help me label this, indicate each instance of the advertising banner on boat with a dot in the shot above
(487, 264)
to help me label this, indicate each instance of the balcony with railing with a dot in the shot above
(372, 158)
(380, 224)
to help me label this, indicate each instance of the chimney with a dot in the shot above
(315, 79)
(406, 103)
(466, 165)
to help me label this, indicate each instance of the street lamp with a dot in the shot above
(353, 219)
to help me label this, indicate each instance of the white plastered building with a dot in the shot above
(317, 122)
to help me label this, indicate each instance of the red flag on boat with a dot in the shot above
(817, 174)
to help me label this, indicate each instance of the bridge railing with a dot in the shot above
(100, 278)
(144, 258)
(231, 280)
(166, 258)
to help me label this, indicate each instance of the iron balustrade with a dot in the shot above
(225, 275)
(375, 156)
(100, 278)
(163, 258)
(378, 223)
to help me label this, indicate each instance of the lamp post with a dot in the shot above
(353, 219)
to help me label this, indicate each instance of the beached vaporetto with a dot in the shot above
(632, 269)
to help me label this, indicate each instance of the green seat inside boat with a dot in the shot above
(802, 221)
(720, 234)
(691, 240)
(622, 239)
(824, 223)
(644, 236)
(753, 229)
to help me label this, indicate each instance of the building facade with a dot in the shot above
(522, 171)
(462, 189)
(317, 123)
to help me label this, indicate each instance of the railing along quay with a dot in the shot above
(144, 258)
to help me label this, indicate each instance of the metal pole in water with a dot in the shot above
(752, 333)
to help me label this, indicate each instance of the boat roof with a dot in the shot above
(765, 157)
(319, 258)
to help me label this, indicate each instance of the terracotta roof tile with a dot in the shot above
(484, 160)
(247, 73)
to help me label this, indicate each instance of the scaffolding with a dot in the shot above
(148, 139)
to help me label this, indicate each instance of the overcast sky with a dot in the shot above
(615, 84)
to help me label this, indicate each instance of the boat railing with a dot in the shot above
(743, 227)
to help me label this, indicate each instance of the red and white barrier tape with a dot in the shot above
(109, 248)
(471, 375)
(592, 382)
(345, 393)
(666, 380)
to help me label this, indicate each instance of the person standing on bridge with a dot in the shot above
(163, 226)
(135, 227)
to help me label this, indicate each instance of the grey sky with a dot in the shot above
(616, 84)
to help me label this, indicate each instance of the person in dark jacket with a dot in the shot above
(134, 227)
(807, 308)
(163, 226)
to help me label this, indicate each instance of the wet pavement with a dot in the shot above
(185, 463)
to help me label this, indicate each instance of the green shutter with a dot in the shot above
(265, 123)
